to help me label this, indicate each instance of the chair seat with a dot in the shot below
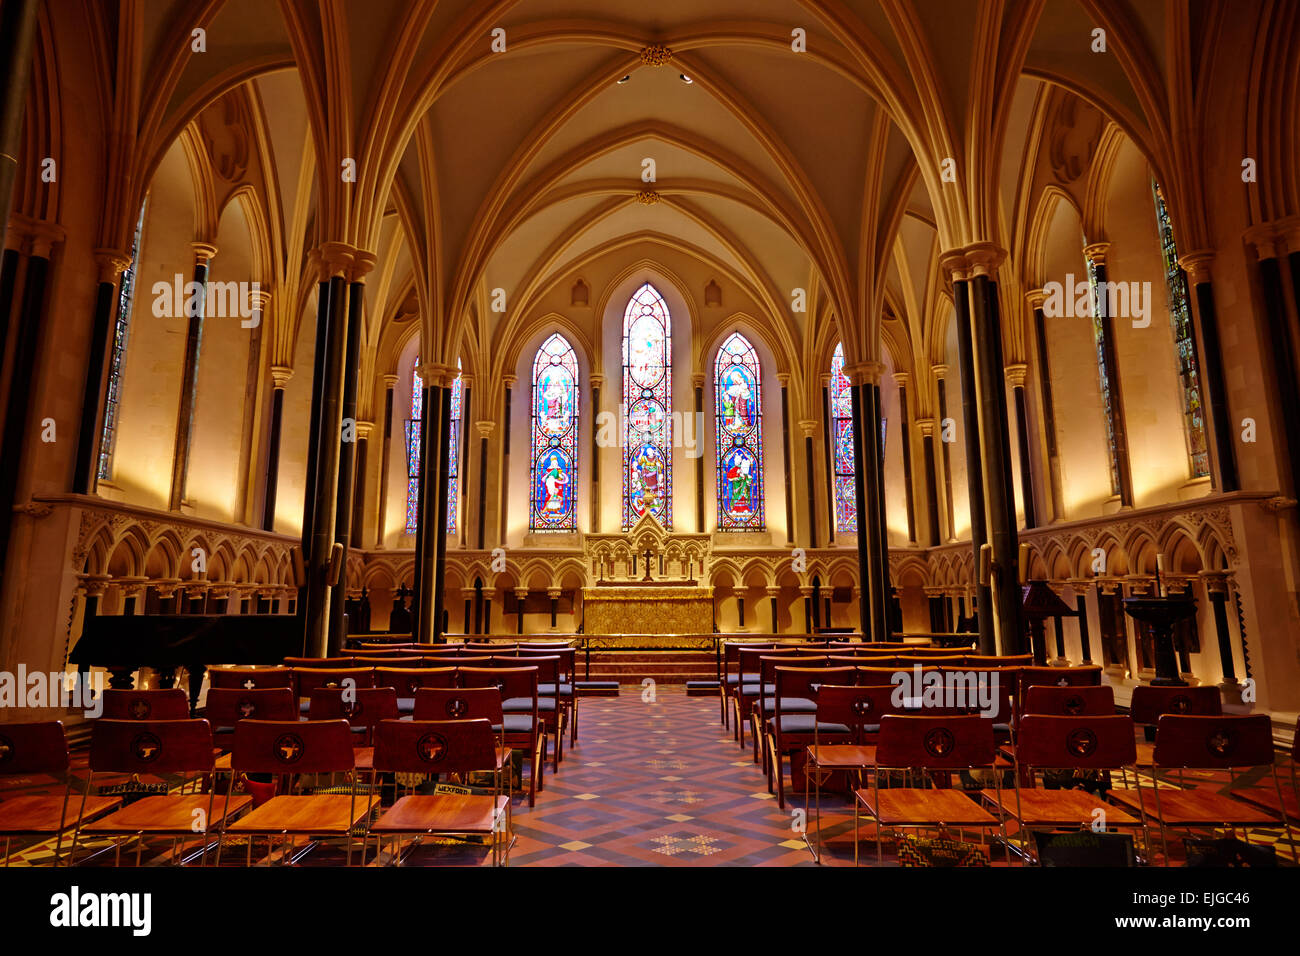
(791, 705)
(1056, 808)
(842, 756)
(907, 806)
(733, 679)
(441, 813)
(805, 724)
(1192, 808)
(566, 689)
(1266, 797)
(41, 813)
(515, 724)
(169, 813)
(752, 689)
(515, 705)
(318, 813)
(405, 705)
(363, 758)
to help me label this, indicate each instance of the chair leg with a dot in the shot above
(777, 761)
(573, 731)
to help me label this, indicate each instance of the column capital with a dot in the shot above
(825, 379)
(364, 430)
(1197, 265)
(508, 381)
(362, 263)
(166, 587)
(1016, 374)
(466, 380)
(437, 375)
(864, 373)
(1216, 582)
(597, 381)
(773, 590)
(940, 371)
(204, 252)
(808, 427)
(94, 585)
(111, 263)
(336, 259)
(976, 259)
(485, 428)
(34, 237)
(521, 593)
(783, 379)
(1035, 298)
(926, 425)
(697, 379)
(902, 379)
(280, 375)
(1266, 240)
(1095, 252)
(389, 379)
(553, 593)
(489, 593)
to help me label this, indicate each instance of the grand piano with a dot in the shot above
(164, 642)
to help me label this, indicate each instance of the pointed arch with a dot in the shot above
(647, 396)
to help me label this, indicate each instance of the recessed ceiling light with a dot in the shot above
(686, 79)
(625, 79)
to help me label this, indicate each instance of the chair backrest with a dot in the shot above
(747, 657)
(1214, 742)
(512, 682)
(1087, 676)
(799, 681)
(404, 660)
(548, 667)
(854, 705)
(307, 679)
(366, 706)
(320, 662)
(169, 704)
(1051, 700)
(34, 747)
(928, 660)
(935, 742)
(544, 645)
(227, 705)
(991, 691)
(568, 657)
(407, 680)
(458, 703)
(283, 746)
(1091, 742)
(490, 647)
(260, 678)
(1149, 704)
(995, 660)
(875, 675)
(434, 746)
(151, 746)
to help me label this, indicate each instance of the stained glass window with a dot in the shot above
(555, 437)
(846, 501)
(738, 405)
(1180, 317)
(647, 398)
(413, 455)
(453, 455)
(1103, 373)
(117, 358)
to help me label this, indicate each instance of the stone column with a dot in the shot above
(246, 472)
(390, 385)
(554, 595)
(773, 596)
(941, 387)
(926, 426)
(1270, 248)
(1217, 587)
(1035, 299)
(485, 429)
(521, 596)
(783, 379)
(357, 525)
(280, 375)
(1016, 378)
(809, 428)
(903, 379)
(597, 383)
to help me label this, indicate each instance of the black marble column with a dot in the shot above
(828, 463)
(484, 430)
(1048, 404)
(594, 457)
(812, 498)
(101, 324)
(385, 452)
(1282, 349)
(931, 481)
(346, 483)
(203, 254)
(1016, 375)
(784, 380)
(426, 506)
(945, 453)
(905, 437)
(272, 476)
(438, 626)
(698, 382)
(866, 579)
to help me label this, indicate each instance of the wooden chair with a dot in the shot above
(320, 662)
(860, 709)
(307, 679)
(1285, 803)
(792, 726)
(490, 647)
(552, 707)
(926, 744)
(523, 728)
(1074, 742)
(158, 747)
(1148, 704)
(749, 688)
(1231, 743)
(407, 680)
(170, 704)
(568, 657)
(995, 660)
(41, 747)
(227, 706)
(362, 708)
(1069, 701)
(249, 678)
(288, 749)
(731, 674)
(764, 705)
(450, 747)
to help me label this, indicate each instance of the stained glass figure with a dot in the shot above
(841, 397)
(647, 399)
(555, 437)
(738, 406)
(453, 455)
(413, 455)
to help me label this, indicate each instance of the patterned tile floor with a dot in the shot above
(654, 783)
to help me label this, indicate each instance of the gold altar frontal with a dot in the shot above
(663, 615)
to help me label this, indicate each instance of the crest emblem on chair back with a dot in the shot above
(283, 746)
(1214, 742)
(1059, 742)
(1070, 701)
(170, 704)
(363, 707)
(36, 747)
(307, 679)
(461, 703)
(150, 746)
(226, 705)
(935, 742)
(249, 678)
(435, 746)
(1149, 704)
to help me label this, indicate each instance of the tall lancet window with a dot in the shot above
(647, 398)
(117, 358)
(1189, 367)
(841, 396)
(738, 404)
(413, 455)
(1103, 375)
(453, 455)
(555, 437)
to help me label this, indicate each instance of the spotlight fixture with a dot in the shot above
(686, 79)
(625, 79)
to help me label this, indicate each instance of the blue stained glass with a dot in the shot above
(453, 455)
(647, 397)
(555, 437)
(413, 455)
(841, 397)
(738, 406)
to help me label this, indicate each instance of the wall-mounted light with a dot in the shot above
(686, 79)
(625, 79)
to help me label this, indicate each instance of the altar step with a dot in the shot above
(666, 666)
